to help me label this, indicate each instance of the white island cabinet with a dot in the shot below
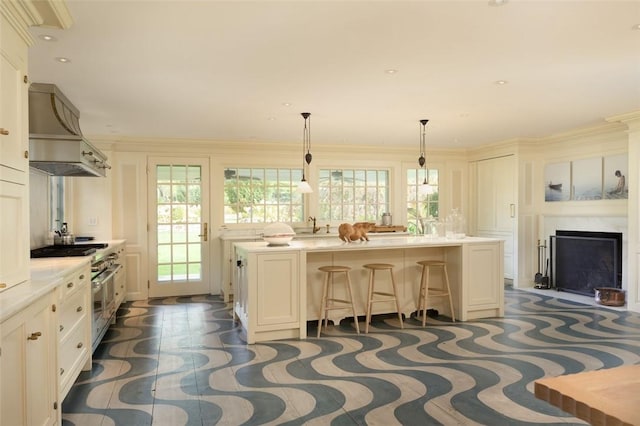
(278, 288)
(269, 298)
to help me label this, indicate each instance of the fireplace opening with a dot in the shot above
(582, 261)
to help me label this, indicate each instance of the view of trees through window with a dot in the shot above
(261, 195)
(422, 199)
(352, 195)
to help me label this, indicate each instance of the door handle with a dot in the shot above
(205, 232)
(512, 207)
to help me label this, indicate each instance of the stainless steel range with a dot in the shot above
(103, 271)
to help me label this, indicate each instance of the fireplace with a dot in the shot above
(582, 261)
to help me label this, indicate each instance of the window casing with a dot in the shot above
(352, 195)
(422, 200)
(261, 195)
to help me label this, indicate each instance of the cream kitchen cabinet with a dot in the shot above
(74, 327)
(270, 308)
(27, 366)
(14, 163)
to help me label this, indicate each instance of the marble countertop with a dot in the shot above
(46, 274)
(322, 234)
(319, 245)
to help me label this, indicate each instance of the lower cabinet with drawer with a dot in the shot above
(74, 328)
(27, 366)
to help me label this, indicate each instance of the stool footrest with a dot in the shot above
(340, 301)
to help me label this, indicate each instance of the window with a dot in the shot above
(255, 195)
(352, 195)
(422, 200)
(56, 202)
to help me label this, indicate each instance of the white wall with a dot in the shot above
(128, 208)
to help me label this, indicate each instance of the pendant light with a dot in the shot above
(422, 160)
(304, 186)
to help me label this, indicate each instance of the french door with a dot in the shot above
(178, 215)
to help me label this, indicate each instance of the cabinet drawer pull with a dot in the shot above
(81, 277)
(3, 285)
(79, 345)
(34, 336)
(3, 131)
(61, 327)
(69, 285)
(61, 371)
(79, 309)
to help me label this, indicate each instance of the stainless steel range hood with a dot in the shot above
(56, 144)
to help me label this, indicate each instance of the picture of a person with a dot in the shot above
(619, 189)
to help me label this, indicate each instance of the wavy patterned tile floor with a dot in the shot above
(183, 361)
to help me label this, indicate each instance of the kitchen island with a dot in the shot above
(278, 287)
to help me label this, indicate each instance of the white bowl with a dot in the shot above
(278, 240)
(278, 234)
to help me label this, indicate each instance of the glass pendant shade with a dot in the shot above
(304, 187)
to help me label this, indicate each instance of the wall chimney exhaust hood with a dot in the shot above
(56, 144)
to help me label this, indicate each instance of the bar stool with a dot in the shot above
(426, 292)
(384, 296)
(330, 303)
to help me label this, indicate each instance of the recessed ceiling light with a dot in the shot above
(497, 2)
(287, 104)
(391, 71)
(63, 60)
(500, 82)
(636, 27)
(47, 37)
(271, 118)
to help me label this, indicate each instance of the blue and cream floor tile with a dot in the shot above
(184, 361)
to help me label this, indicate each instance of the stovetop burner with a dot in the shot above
(68, 250)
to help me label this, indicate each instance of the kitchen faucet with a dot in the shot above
(315, 229)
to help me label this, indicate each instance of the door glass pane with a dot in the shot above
(179, 218)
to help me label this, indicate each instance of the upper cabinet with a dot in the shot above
(14, 162)
(15, 39)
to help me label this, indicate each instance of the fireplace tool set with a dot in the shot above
(542, 281)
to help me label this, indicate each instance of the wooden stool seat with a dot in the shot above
(329, 302)
(374, 296)
(426, 292)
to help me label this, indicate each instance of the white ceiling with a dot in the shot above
(223, 70)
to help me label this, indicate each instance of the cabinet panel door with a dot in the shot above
(28, 365)
(14, 238)
(13, 410)
(13, 105)
(278, 289)
(41, 365)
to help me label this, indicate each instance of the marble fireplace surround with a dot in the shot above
(550, 224)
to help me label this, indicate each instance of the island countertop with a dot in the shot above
(335, 244)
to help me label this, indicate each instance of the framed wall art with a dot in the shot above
(615, 177)
(586, 178)
(557, 178)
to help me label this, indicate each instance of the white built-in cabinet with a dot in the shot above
(268, 297)
(496, 180)
(27, 366)
(14, 163)
(74, 327)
